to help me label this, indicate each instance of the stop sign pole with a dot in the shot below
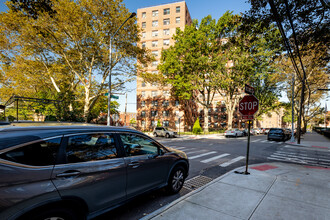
(248, 107)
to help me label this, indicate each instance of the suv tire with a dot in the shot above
(176, 180)
(167, 135)
(155, 134)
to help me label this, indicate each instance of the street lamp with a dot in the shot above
(110, 61)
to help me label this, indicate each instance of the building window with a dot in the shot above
(155, 53)
(154, 43)
(166, 11)
(143, 94)
(154, 103)
(143, 103)
(153, 123)
(215, 124)
(166, 21)
(166, 93)
(143, 44)
(143, 84)
(154, 93)
(166, 113)
(154, 84)
(224, 117)
(177, 20)
(166, 123)
(210, 109)
(155, 23)
(154, 63)
(215, 117)
(166, 31)
(143, 34)
(166, 103)
(177, 9)
(144, 24)
(143, 114)
(155, 13)
(154, 33)
(177, 103)
(223, 109)
(144, 14)
(166, 42)
(153, 113)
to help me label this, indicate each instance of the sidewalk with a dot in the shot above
(313, 139)
(271, 191)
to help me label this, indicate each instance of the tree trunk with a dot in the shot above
(86, 104)
(206, 119)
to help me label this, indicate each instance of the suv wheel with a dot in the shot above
(167, 135)
(56, 214)
(155, 134)
(176, 180)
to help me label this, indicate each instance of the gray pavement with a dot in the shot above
(271, 191)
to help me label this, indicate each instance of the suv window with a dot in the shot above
(90, 147)
(41, 153)
(137, 145)
(276, 131)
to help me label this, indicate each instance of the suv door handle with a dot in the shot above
(134, 164)
(69, 173)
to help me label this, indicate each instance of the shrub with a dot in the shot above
(158, 123)
(197, 127)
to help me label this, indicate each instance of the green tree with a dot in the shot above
(158, 123)
(189, 65)
(197, 127)
(246, 56)
(70, 47)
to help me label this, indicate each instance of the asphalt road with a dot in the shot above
(211, 158)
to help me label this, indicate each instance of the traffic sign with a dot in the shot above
(249, 89)
(248, 106)
(112, 96)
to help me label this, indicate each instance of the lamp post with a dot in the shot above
(110, 61)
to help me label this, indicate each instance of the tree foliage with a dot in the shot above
(197, 127)
(65, 49)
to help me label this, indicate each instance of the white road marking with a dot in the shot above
(271, 142)
(232, 161)
(202, 155)
(214, 158)
(193, 152)
(264, 141)
(256, 140)
(302, 157)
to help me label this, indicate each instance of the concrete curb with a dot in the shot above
(160, 210)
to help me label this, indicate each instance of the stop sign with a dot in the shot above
(248, 106)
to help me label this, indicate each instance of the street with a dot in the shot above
(212, 157)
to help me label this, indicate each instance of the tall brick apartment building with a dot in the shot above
(159, 23)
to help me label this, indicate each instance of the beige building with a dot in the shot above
(159, 24)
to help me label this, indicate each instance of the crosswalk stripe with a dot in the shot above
(263, 141)
(280, 159)
(202, 155)
(271, 142)
(280, 142)
(232, 161)
(256, 140)
(301, 157)
(214, 158)
(193, 152)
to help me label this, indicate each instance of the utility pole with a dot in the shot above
(292, 109)
(126, 109)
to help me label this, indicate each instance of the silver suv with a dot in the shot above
(79, 172)
(161, 131)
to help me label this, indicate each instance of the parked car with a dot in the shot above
(79, 172)
(256, 131)
(163, 132)
(266, 131)
(278, 134)
(234, 133)
(245, 132)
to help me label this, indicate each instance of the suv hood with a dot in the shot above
(179, 152)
